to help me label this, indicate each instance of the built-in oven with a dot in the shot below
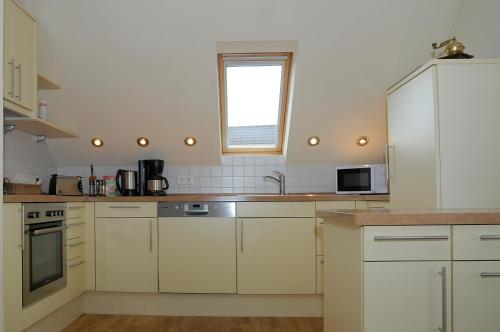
(44, 250)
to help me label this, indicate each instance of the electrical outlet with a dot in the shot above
(185, 179)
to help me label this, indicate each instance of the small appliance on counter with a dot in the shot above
(151, 180)
(65, 185)
(126, 182)
(365, 179)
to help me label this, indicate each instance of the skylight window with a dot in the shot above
(253, 100)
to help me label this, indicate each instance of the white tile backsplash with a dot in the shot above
(238, 174)
(23, 156)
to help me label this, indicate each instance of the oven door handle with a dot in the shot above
(49, 230)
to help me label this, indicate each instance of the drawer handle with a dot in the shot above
(76, 224)
(76, 264)
(412, 238)
(76, 244)
(75, 207)
(490, 274)
(489, 237)
(125, 207)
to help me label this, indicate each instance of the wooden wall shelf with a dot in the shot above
(45, 84)
(35, 126)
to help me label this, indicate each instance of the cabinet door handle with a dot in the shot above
(489, 237)
(444, 294)
(76, 223)
(490, 274)
(76, 264)
(241, 235)
(22, 235)
(411, 238)
(76, 244)
(150, 235)
(18, 67)
(125, 207)
(391, 171)
(11, 92)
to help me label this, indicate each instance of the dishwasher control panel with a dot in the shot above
(197, 209)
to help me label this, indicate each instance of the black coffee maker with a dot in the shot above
(151, 180)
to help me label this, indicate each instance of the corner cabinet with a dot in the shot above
(411, 278)
(20, 66)
(433, 117)
(276, 248)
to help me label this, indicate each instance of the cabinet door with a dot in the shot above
(407, 296)
(8, 53)
(412, 143)
(126, 254)
(197, 255)
(476, 296)
(24, 47)
(276, 256)
(12, 269)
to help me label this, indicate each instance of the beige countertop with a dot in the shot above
(386, 217)
(197, 198)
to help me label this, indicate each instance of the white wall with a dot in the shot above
(478, 26)
(23, 156)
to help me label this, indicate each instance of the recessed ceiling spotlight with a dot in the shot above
(190, 141)
(97, 142)
(313, 140)
(362, 140)
(142, 141)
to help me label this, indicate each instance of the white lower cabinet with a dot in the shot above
(276, 255)
(197, 255)
(476, 296)
(126, 254)
(407, 296)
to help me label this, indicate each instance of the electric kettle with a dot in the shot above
(126, 182)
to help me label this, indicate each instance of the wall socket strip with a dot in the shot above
(185, 179)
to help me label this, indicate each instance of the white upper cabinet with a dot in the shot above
(20, 66)
(443, 134)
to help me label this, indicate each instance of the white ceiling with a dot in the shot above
(132, 68)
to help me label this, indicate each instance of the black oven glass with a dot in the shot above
(46, 251)
(355, 179)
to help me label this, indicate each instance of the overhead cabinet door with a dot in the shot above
(276, 255)
(126, 254)
(411, 117)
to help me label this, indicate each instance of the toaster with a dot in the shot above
(65, 185)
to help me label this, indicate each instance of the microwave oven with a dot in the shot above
(365, 179)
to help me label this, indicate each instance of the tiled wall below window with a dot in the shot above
(236, 175)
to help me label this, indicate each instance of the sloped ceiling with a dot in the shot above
(131, 68)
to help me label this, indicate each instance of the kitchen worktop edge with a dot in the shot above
(196, 198)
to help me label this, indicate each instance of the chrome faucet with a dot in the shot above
(280, 179)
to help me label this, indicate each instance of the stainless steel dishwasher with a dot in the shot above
(197, 247)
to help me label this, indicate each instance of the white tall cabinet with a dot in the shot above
(443, 136)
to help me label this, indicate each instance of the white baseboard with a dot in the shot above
(60, 318)
(203, 304)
